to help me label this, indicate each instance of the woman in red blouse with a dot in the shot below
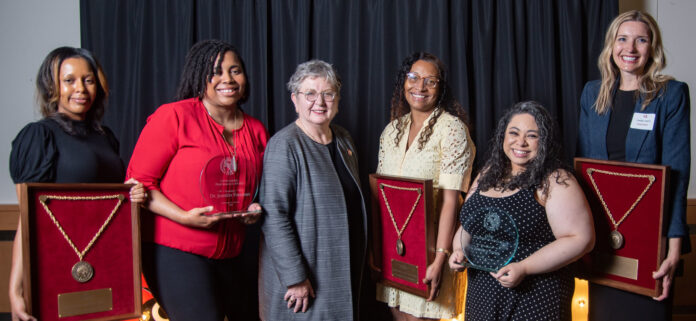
(191, 245)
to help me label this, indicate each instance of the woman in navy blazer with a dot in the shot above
(636, 114)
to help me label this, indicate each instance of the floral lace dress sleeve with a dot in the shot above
(457, 156)
(33, 155)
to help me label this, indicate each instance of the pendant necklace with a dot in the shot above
(230, 162)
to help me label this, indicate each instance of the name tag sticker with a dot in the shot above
(643, 121)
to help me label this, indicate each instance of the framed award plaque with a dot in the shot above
(404, 231)
(81, 251)
(627, 201)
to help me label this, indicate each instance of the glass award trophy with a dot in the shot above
(229, 188)
(489, 239)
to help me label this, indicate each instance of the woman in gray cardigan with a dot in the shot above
(315, 228)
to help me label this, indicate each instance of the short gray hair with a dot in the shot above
(311, 69)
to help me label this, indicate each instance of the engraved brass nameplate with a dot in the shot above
(619, 266)
(404, 271)
(83, 302)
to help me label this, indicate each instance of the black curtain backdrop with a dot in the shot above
(498, 52)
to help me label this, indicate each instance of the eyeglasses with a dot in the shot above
(328, 96)
(414, 78)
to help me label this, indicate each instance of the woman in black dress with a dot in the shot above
(69, 145)
(525, 177)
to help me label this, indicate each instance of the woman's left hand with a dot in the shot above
(137, 191)
(666, 273)
(298, 296)
(254, 212)
(510, 275)
(433, 275)
(667, 268)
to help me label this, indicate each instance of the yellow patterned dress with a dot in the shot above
(446, 158)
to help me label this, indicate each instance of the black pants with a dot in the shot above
(608, 303)
(193, 287)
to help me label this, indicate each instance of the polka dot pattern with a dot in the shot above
(538, 297)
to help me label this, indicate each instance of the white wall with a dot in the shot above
(677, 24)
(29, 30)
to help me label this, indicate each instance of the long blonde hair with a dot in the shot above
(651, 81)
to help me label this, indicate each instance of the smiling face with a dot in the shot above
(228, 84)
(631, 50)
(78, 88)
(418, 95)
(521, 142)
(319, 112)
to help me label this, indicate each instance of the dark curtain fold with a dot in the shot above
(498, 52)
(141, 46)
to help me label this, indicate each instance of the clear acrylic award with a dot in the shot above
(229, 188)
(489, 239)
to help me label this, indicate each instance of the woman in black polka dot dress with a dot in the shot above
(525, 177)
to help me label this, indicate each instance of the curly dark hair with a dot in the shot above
(497, 172)
(445, 100)
(200, 66)
(48, 88)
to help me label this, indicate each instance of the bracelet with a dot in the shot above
(439, 249)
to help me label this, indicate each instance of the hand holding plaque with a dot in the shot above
(228, 188)
(628, 202)
(489, 239)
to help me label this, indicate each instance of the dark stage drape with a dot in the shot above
(498, 52)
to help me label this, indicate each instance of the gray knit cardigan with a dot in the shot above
(305, 226)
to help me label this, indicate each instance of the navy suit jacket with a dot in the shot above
(668, 143)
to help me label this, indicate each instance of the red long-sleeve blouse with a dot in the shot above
(176, 144)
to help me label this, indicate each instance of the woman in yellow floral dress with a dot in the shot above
(427, 138)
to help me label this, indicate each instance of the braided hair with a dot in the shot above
(445, 100)
(201, 62)
(497, 172)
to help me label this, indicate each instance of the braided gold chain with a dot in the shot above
(391, 214)
(651, 178)
(81, 254)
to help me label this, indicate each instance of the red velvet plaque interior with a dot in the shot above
(49, 258)
(620, 185)
(418, 234)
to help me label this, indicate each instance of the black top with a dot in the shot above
(351, 193)
(619, 123)
(44, 152)
(545, 296)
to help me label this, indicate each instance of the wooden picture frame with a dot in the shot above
(628, 202)
(58, 221)
(403, 266)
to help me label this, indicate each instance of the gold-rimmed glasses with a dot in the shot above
(429, 82)
(311, 95)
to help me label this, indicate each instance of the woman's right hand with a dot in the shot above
(457, 260)
(197, 217)
(16, 287)
(19, 309)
